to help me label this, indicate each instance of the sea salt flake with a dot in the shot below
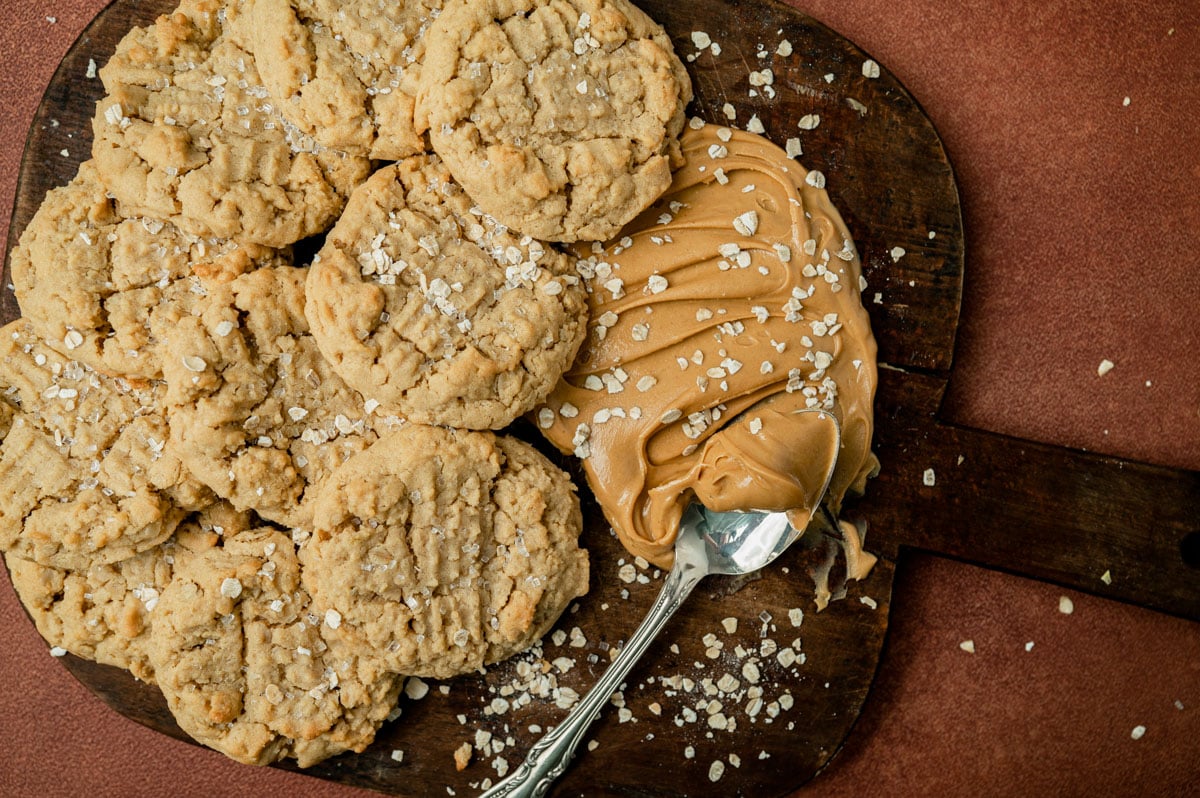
(1106, 366)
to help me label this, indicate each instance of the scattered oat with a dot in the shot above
(1065, 605)
(809, 122)
(784, 49)
(793, 149)
(967, 646)
(897, 253)
(1126, 102)
(929, 479)
(815, 179)
(1138, 732)
(870, 69)
(716, 770)
(1105, 366)
(701, 39)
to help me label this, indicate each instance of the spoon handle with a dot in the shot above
(550, 756)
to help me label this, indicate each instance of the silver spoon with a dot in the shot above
(729, 543)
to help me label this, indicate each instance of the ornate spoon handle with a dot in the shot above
(550, 756)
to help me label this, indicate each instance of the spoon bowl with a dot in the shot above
(709, 543)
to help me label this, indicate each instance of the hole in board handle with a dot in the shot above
(1189, 549)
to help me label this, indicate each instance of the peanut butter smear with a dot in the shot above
(724, 308)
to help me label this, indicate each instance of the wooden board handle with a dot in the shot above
(1042, 511)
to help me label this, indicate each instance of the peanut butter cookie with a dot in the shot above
(427, 305)
(88, 475)
(257, 413)
(444, 550)
(188, 134)
(103, 613)
(560, 117)
(345, 73)
(244, 665)
(91, 282)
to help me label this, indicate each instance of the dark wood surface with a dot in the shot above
(915, 325)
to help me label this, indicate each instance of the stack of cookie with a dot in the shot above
(275, 488)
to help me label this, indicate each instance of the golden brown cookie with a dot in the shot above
(345, 73)
(428, 306)
(559, 117)
(86, 471)
(256, 412)
(103, 613)
(444, 550)
(187, 134)
(244, 664)
(91, 281)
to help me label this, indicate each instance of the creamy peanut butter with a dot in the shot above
(726, 307)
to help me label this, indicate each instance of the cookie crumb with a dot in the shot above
(462, 756)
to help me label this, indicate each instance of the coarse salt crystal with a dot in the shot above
(1106, 366)
(929, 478)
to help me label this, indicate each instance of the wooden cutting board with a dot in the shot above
(1037, 510)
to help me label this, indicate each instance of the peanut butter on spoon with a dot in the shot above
(725, 307)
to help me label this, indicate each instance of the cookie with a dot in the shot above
(559, 117)
(103, 613)
(91, 281)
(444, 550)
(86, 470)
(256, 412)
(187, 134)
(430, 307)
(345, 73)
(244, 665)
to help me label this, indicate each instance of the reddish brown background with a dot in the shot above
(1083, 240)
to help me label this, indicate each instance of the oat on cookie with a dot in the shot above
(257, 414)
(188, 134)
(91, 281)
(86, 472)
(427, 305)
(560, 117)
(444, 550)
(103, 613)
(244, 664)
(345, 72)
